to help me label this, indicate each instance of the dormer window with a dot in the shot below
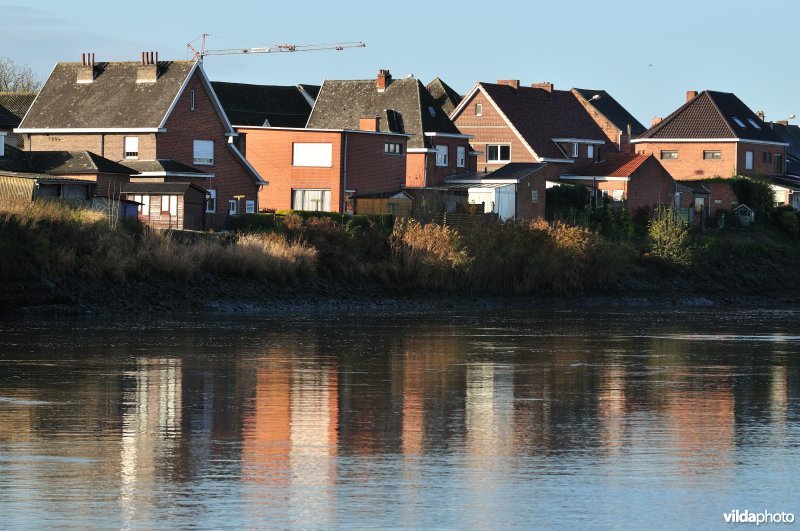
(738, 121)
(131, 147)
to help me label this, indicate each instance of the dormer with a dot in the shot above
(148, 71)
(87, 71)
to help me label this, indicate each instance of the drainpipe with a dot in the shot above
(344, 178)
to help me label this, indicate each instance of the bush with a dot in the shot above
(755, 193)
(431, 255)
(670, 238)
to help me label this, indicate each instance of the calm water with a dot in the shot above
(631, 419)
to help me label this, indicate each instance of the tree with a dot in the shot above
(15, 77)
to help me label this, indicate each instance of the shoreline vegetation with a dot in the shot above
(56, 258)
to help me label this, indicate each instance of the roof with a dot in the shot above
(265, 105)
(615, 113)
(512, 171)
(161, 165)
(405, 106)
(446, 98)
(541, 115)
(15, 104)
(159, 188)
(789, 134)
(113, 100)
(712, 115)
(616, 165)
(59, 162)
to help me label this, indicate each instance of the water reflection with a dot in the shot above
(324, 422)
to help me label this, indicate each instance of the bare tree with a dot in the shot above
(15, 77)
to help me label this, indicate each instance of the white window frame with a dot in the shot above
(442, 156)
(748, 160)
(461, 156)
(249, 206)
(393, 148)
(312, 154)
(130, 147)
(576, 150)
(711, 156)
(169, 204)
(144, 204)
(590, 151)
(479, 109)
(663, 151)
(299, 199)
(211, 200)
(499, 155)
(233, 207)
(203, 153)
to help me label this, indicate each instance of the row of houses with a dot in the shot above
(158, 138)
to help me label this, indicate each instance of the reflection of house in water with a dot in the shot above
(489, 409)
(611, 407)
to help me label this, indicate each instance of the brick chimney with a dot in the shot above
(369, 123)
(761, 115)
(545, 85)
(147, 70)
(384, 78)
(87, 71)
(513, 83)
(782, 122)
(656, 120)
(690, 95)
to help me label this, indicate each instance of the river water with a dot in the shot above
(547, 419)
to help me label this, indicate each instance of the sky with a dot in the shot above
(645, 54)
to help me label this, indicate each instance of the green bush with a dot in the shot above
(755, 193)
(670, 238)
(253, 222)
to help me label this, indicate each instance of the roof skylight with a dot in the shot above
(738, 121)
(754, 123)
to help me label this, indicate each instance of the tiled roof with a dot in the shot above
(712, 115)
(612, 110)
(615, 165)
(59, 162)
(113, 100)
(540, 115)
(158, 188)
(161, 165)
(270, 105)
(405, 106)
(446, 98)
(13, 106)
(512, 170)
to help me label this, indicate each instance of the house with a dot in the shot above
(445, 97)
(160, 117)
(266, 105)
(325, 169)
(616, 122)
(787, 189)
(714, 136)
(537, 124)
(511, 191)
(638, 180)
(436, 150)
(13, 106)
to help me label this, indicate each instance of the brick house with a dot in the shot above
(13, 106)
(512, 191)
(714, 136)
(160, 118)
(616, 122)
(787, 189)
(436, 150)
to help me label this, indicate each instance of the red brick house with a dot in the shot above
(160, 118)
(436, 149)
(616, 122)
(712, 137)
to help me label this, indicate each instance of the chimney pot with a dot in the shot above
(86, 72)
(761, 115)
(384, 78)
(690, 95)
(545, 85)
(513, 83)
(656, 120)
(147, 72)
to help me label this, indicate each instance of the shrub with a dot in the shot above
(755, 193)
(670, 238)
(432, 255)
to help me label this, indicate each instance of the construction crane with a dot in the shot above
(278, 48)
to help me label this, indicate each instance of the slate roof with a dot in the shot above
(512, 170)
(446, 98)
(540, 115)
(158, 188)
(789, 134)
(405, 106)
(615, 165)
(265, 105)
(612, 110)
(13, 106)
(113, 100)
(161, 165)
(712, 114)
(59, 162)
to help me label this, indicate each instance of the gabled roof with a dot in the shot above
(539, 115)
(59, 162)
(13, 106)
(712, 115)
(114, 100)
(615, 113)
(615, 165)
(265, 105)
(446, 98)
(405, 106)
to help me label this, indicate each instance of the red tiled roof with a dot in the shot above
(615, 165)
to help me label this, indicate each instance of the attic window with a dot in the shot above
(738, 122)
(131, 147)
(478, 109)
(432, 111)
(753, 123)
(191, 100)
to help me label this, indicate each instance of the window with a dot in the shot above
(590, 151)
(576, 150)
(534, 196)
(598, 155)
(131, 147)
(312, 154)
(498, 153)
(748, 160)
(144, 205)
(616, 195)
(712, 155)
(204, 152)
(211, 201)
(169, 205)
(315, 200)
(250, 206)
(478, 109)
(669, 155)
(442, 156)
(432, 111)
(191, 100)
(233, 207)
(393, 148)
(738, 121)
(778, 163)
(461, 156)
(753, 123)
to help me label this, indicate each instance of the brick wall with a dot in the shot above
(369, 169)
(110, 146)
(616, 138)
(650, 185)
(437, 174)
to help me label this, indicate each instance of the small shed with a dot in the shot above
(744, 215)
(162, 205)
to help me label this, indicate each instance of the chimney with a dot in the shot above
(86, 72)
(784, 123)
(545, 85)
(369, 123)
(384, 78)
(656, 121)
(690, 95)
(761, 115)
(147, 70)
(513, 83)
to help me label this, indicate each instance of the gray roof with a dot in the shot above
(59, 162)
(446, 98)
(159, 188)
(161, 165)
(789, 134)
(405, 106)
(113, 100)
(512, 170)
(267, 105)
(612, 110)
(13, 106)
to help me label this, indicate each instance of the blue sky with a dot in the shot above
(646, 54)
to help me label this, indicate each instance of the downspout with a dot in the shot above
(344, 178)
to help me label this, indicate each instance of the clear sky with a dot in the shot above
(646, 54)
